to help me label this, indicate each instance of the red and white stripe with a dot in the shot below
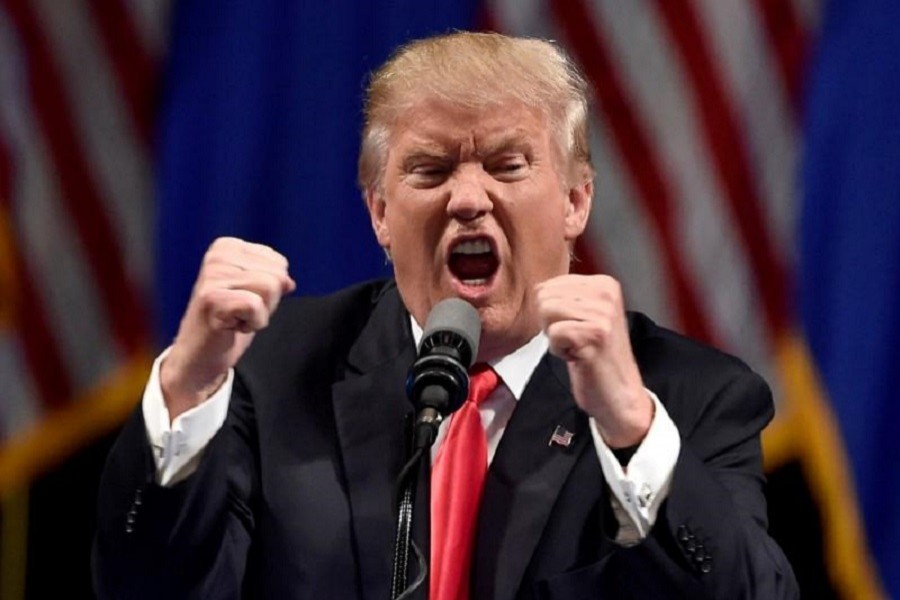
(696, 146)
(76, 83)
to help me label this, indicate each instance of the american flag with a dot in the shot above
(698, 106)
(696, 145)
(561, 437)
(77, 97)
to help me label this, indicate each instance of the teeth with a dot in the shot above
(472, 247)
(474, 281)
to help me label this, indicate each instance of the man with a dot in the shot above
(624, 459)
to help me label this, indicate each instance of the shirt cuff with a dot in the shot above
(178, 445)
(640, 489)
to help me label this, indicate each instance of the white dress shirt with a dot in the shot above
(638, 490)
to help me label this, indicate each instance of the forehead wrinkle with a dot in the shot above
(472, 135)
(420, 147)
(518, 140)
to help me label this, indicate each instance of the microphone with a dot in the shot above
(438, 380)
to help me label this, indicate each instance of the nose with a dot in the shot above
(469, 197)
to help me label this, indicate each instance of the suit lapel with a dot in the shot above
(370, 406)
(524, 480)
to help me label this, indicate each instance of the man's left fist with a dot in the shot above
(584, 318)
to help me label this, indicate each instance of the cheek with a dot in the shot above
(541, 242)
(415, 235)
(545, 219)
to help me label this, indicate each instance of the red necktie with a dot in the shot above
(457, 480)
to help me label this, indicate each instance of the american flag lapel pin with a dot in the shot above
(561, 437)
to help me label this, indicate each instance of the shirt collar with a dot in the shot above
(514, 369)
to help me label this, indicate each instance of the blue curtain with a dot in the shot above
(850, 252)
(259, 132)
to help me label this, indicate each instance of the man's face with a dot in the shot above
(475, 204)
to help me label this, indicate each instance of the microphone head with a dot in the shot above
(438, 379)
(453, 323)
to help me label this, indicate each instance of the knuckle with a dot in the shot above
(256, 303)
(558, 331)
(597, 336)
(604, 325)
(270, 288)
(611, 286)
(222, 243)
(261, 247)
(216, 255)
(206, 296)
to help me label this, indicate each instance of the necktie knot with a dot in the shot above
(483, 380)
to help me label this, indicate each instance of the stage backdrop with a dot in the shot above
(747, 194)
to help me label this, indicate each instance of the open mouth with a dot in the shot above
(473, 262)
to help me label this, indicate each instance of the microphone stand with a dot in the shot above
(437, 384)
(424, 431)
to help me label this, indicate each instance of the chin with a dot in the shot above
(500, 336)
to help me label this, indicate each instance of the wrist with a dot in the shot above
(627, 427)
(182, 392)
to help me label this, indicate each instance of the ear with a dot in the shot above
(578, 208)
(377, 208)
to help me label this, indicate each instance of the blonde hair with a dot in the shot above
(475, 70)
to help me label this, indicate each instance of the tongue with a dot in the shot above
(473, 266)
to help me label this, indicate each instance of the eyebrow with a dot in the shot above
(518, 142)
(417, 155)
(425, 147)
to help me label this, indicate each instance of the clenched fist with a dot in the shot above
(238, 288)
(584, 318)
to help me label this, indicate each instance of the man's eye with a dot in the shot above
(509, 168)
(428, 170)
(427, 175)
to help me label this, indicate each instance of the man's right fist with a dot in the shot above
(238, 288)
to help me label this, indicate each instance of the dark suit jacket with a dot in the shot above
(293, 497)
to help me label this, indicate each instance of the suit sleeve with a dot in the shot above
(712, 527)
(710, 539)
(185, 541)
